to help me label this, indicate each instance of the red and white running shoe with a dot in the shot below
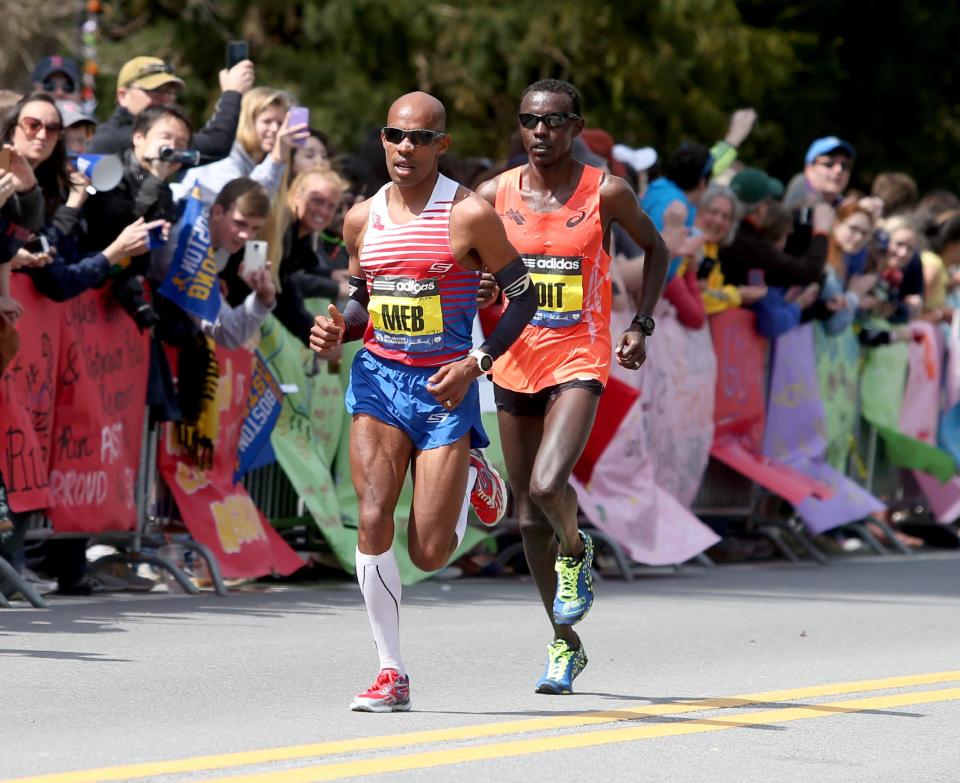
(390, 693)
(489, 495)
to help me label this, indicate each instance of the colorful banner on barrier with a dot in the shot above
(838, 370)
(263, 408)
(219, 513)
(27, 393)
(621, 495)
(740, 410)
(882, 387)
(313, 434)
(796, 434)
(624, 501)
(192, 280)
(679, 380)
(919, 416)
(98, 417)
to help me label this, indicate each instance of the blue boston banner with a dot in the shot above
(192, 281)
(263, 409)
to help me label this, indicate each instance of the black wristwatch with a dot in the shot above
(644, 323)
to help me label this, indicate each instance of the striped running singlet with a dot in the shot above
(569, 336)
(422, 302)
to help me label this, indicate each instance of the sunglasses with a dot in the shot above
(828, 163)
(552, 120)
(31, 126)
(418, 138)
(63, 83)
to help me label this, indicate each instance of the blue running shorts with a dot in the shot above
(396, 394)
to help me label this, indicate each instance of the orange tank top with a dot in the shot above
(569, 337)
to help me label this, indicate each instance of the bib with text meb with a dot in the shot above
(406, 313)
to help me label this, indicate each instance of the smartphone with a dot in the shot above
(155, 238)
(299, 115)
(38, 244)
(5, 159)
(755, 277)
(237, 51)
(254, 257)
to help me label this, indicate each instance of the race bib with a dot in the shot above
(406, 313)
(559, 284)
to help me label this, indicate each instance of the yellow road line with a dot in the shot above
(500, 750)
(461, 733)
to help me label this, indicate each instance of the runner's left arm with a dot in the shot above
(618, 203)
(488, 240)
(501, 259)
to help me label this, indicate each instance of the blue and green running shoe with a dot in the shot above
(574, 585)
(563, 665)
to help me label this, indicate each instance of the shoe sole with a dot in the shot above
(549, 689)
(364, 707)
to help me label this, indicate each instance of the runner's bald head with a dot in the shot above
(418, 110)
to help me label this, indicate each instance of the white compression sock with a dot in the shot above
(380, 584)
(461, 528)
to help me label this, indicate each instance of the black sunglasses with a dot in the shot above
(50, 84)
(418, 137)
(552, 120)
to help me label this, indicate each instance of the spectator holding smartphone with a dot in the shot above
(54, 260)
(265, 140)
(149, 81)
(304, 270)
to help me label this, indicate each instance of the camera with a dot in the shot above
(174, 155)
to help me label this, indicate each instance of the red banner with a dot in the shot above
(219, 513)
(98, 419)
(27, 391)
(740, 409)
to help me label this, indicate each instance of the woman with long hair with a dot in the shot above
(295, 249)
(262, 148)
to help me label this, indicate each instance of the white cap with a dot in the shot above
(639, 159)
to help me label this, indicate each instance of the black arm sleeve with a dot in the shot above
(355, 314)
(514, 281)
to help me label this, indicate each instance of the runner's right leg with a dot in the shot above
(379, 456)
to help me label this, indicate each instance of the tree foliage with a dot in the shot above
(652, 72)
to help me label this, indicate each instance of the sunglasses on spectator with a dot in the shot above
(828, 163)
(552, 120)
(63, 83)
(31, 126)
(418, 137)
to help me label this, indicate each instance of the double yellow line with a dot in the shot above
(522, 747)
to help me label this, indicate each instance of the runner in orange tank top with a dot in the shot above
(557, 213)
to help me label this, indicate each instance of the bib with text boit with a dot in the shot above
(406, 313)
(559, 284)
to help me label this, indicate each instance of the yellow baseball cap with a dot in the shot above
(147, 73)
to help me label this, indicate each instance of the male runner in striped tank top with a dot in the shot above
(416, 249)
(558, 213)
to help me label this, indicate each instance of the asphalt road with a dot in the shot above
(738, 673)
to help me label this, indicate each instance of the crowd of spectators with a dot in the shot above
(811, 250)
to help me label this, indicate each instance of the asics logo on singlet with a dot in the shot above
(440, 269)
(577, 219)
(515, 216)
